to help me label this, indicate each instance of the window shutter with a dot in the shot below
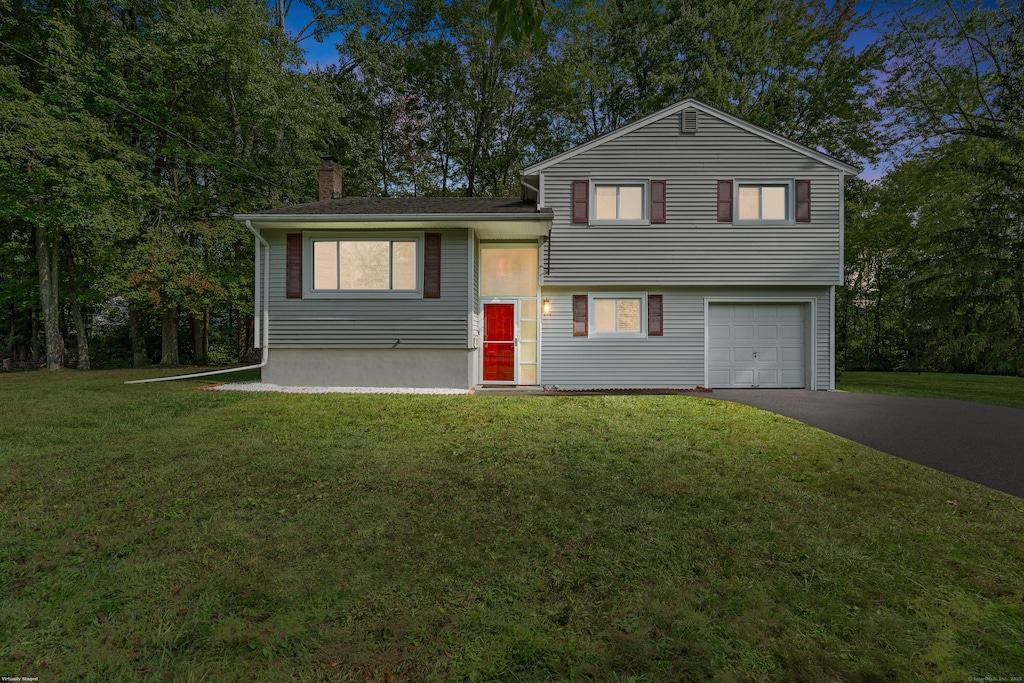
(432, 265)
(657, 201)
(725, 201)
(579, 315)
(655, 327)
(293, 265)
(803, 201)
(581, 201)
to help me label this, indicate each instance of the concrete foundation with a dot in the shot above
(414, 368)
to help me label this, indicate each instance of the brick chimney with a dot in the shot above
(330, 178)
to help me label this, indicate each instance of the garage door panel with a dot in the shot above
(742, 312)
(743, 377)
(720, 377)
(793, 376)
(792, 354)
(718, 355)
(719, 313)
(792, 332)
(757, 345)
(742, 332)
(742, 354)
(720, 332)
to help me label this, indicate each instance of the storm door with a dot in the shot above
(500, 323)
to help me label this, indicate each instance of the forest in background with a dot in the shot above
(133, 131)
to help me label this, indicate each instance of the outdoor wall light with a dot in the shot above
(545, 306)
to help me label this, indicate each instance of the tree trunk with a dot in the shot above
(139, 357)
(169, 338)
(246, 332)
(206, 334)
(35, 338)
(81, 331)
(198, 346)
(49, 300)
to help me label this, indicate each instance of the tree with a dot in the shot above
(63, 171)
(954, 102)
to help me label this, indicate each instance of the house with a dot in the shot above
(689, 248)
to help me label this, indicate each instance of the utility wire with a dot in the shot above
(131, 111)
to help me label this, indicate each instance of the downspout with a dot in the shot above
(266, 317)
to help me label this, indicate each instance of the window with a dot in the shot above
(365, 265)
(508, 270)
(618, 314)
(764, 202)
(624, 202)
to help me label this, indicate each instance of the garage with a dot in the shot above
(761, 345)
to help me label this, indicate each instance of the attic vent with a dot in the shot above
(688, 121)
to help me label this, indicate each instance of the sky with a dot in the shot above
(321, 54)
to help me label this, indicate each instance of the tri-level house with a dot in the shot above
(689, 248)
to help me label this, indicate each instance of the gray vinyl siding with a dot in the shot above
(374, 323)
(692, 247)
(675, 360)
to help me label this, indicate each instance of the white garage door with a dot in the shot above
(757, 345)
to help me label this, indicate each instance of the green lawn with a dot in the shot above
(1000, 391)
(158, 532)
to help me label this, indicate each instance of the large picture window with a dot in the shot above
(365, 265)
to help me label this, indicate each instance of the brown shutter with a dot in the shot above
(579, 315)
(803, 201)
(581, 201)
(657, 201)
(432, 265)
(725, 201)
(655, 326)
(293, 265)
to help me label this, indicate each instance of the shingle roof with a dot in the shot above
(383, 206)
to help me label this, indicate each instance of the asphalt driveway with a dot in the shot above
(975, 441)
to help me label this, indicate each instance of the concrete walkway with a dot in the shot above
(975, 441)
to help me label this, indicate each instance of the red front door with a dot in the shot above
(499, 342)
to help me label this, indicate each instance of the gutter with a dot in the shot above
(265, 343)
(390, 217)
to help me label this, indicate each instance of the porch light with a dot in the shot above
(545, 307)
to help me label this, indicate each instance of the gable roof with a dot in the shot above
(690, 103)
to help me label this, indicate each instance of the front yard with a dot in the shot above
(158, 532)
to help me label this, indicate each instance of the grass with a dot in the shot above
(158, 532)
(1000, 391)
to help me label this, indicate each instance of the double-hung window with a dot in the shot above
(764, 202)
(366, 265)
(619, 202)
(618, 314)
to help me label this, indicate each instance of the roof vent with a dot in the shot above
(688, 121)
